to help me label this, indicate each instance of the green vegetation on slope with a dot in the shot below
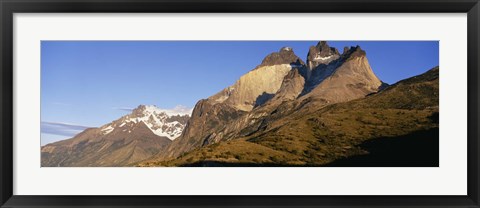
(395, 127)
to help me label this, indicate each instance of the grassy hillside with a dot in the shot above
(395, 127)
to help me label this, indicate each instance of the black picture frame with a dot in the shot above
(9, 7)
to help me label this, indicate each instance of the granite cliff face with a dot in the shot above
(261, 83)
(279, 86)
(396, 127)
(347, 77)
(216, 116)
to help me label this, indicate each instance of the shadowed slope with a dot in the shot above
(391, 128)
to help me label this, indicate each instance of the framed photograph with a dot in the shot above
(268, 103)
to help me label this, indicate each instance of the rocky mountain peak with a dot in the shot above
(323, 46)
(284, 56)
(357, 52)
(286, 49)
(322, 53)
(160, 122)
(347, 77)
(260, 84)
(144, 132)
(353, 50)
(144, 110)
(139, 111)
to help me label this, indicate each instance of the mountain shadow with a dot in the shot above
(396, 127)
(211, 163)
(263, 98)
(417, 149)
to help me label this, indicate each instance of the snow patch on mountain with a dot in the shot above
(318, 57)
(166, 123)
(107, 130)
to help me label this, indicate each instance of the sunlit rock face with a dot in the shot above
(251, 90)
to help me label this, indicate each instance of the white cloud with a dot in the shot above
(63, 129)
(179, 110)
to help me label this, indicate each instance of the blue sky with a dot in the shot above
(91, 83)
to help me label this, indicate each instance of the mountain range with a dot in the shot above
(144, 132)
(284, 112)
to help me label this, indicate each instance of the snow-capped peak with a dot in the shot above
(166, 123)
(178, 110)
